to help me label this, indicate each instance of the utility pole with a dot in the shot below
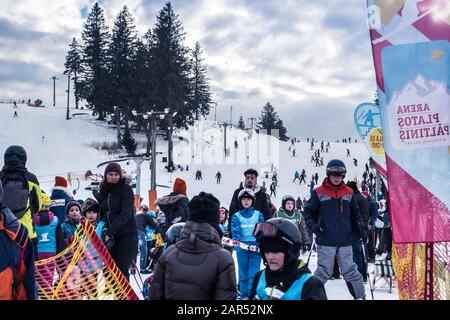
(54, 79)
(231, 115)
(117, 115)
(68, 95)
(215, 111)
(225, 125)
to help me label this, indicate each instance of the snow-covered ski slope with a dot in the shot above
(56, 146)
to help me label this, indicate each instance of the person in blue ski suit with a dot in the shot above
(242, 225)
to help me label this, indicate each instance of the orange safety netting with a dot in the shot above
(84, 271)
(412, 274)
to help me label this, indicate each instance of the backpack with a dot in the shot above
(16, 194)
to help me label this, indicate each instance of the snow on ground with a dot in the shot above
(56, 146)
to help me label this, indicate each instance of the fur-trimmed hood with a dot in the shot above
(170, 199)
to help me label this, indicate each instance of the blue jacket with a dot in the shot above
(68, 228)
(60, 198)
(336, 212)
(47, 236)
(242, 224)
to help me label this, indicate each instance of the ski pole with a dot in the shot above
(367, 267)
(310, 251)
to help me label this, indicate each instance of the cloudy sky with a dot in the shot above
(310, 59)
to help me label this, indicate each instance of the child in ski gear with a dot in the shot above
(69, 227)
(16, 258)
(288, 211)
(60, 196)
(282, 279)
(91, 211)
(332, 214)
(145, 223)
(196, 267)
(242, 225)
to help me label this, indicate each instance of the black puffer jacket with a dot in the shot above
(117, 209)
(195, 268)
(175, 208)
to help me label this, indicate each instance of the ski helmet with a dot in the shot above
(174, 233)
(283, 229)
(336, 167)
(285, 199)
(247, 193)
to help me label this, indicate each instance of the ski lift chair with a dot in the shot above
(383, 270)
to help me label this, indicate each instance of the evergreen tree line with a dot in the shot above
(121, 70)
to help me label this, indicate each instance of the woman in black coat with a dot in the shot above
(116, 199)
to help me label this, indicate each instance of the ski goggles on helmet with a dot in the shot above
(337, 171)
(264, 229)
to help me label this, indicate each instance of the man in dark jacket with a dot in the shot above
(116, 201)
(16, 253)
(332, 214)
(358, 254)
(197, 267)
(373, 209)
(175, 205)
(261, 203)
(144, 220)
(60, 196)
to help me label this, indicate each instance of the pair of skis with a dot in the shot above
(228, 242)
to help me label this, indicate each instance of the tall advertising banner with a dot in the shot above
(410, 46)
(368, 124)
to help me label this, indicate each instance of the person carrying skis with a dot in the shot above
(242, 224)
(332, 213)
(288, 211)
(282, 279)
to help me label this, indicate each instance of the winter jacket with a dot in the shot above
(299, 220)
(243, 223)
(60, 197)
(17, 280)
(175, 208)
(49, 233)
(313, 288)
(195, 268)
(143, 220)
(373, 209)
(261, 204)
(335, 211)
(363, 205)
(15, 170)
(117, 210)
(68, 228)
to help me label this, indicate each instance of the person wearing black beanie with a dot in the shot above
(116, 200)
(196, 266)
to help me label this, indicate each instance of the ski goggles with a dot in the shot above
(264, 229)
(337, 171)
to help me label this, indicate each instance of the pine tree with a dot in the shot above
(128, 142)
(241, 123)
(200, 101)
(269, 120)
(95, 77)
(171, 68)
(122, 51)
(73, 66)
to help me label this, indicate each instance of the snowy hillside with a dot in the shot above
(56, 146)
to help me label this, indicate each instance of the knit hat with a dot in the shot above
(179, 186)
(61, 182)
(113, 167)
(71, 204)
(15, 153)
(204, 207)
(90, 205)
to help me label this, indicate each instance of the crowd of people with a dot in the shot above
(339, 221)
